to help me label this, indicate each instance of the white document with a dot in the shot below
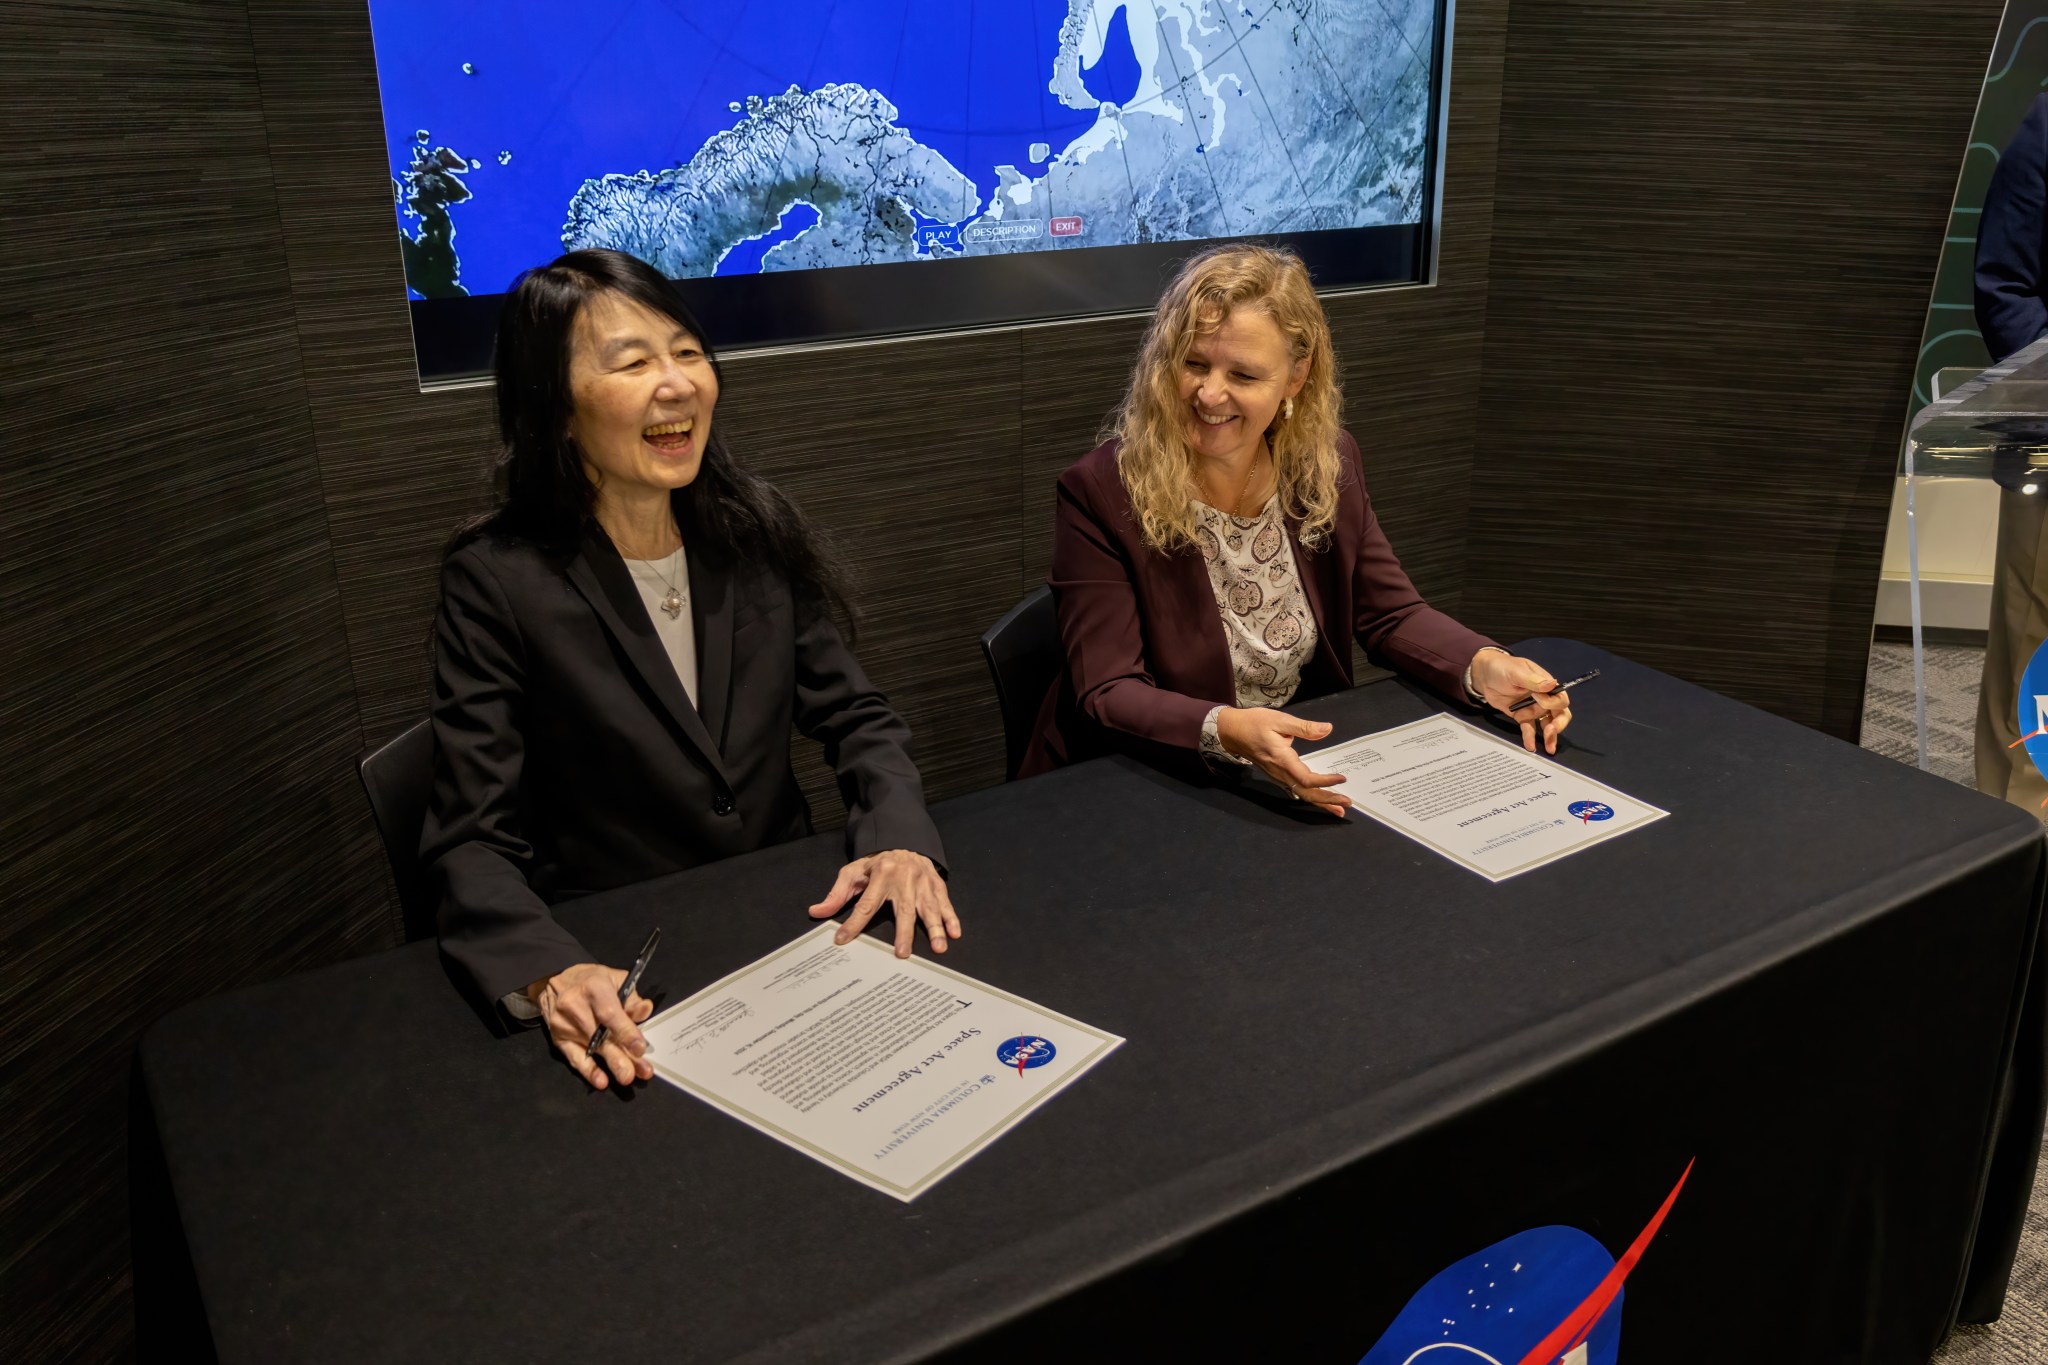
(1481, 800)
(890, 1071)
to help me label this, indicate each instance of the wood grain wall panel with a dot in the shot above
(1070, 379)
(1411, 358)
(399, 468)
(918, 493)
(1715, 234)
(177, 810)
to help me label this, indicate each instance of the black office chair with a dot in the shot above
(1024, 658)
(398, 779)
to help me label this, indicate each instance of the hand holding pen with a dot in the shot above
(626, 988)
(592, 1012)
(1556, 688)
(1525, 692)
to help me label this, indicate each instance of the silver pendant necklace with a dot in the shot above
(674, 603)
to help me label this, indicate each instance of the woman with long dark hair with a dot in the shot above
(622, 650)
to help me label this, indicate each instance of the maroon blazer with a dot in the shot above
(1146, 653)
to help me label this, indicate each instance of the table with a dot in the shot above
(1350, 1064)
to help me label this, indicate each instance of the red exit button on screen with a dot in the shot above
(1066, 227)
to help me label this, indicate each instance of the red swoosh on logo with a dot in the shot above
(1579, 1323)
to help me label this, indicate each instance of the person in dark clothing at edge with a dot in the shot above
(2012, 313)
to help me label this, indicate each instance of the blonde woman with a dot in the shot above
(1211, 558)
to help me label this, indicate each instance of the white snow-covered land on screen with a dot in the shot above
(809, 134)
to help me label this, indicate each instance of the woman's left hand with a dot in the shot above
(1504, 679)
(905, 880)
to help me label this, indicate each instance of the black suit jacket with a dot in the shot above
(569, 758)
(2010, 285)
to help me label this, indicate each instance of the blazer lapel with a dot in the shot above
(711, 603)
(1311, 567)
(602, 577)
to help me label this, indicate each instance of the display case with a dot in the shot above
(1994, 428)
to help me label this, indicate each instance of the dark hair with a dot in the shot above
(727, 511)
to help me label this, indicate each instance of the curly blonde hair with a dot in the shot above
(1154, 459)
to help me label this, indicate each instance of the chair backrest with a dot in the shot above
(398, 779)
(1025, 658)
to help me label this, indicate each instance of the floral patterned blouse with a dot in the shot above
(1266, 617)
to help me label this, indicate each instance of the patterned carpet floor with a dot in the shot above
(1953, 672)
(2020, 1337)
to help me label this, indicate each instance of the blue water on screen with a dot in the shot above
(745, 257)
(1114, 77)
(574, 91)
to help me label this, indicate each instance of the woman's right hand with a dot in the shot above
(574, 1002)
(1266, 737)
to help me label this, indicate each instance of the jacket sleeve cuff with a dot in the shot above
(505, 964)
(913, 836)
(1212, 742)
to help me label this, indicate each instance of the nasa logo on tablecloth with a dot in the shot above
(1549, 1296)
(1588, 811)
(2033, 707)
(1025, 1051)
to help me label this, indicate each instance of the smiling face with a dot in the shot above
(642, 392)
(1233, 382)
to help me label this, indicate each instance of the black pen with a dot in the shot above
(1530, 700)
(627, 986)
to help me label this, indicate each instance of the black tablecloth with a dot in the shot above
(1350, 1064)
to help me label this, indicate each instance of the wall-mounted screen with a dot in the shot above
(823, 169)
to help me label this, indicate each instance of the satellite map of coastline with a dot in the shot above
(806, 134)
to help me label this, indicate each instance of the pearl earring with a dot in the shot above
(1287, 410)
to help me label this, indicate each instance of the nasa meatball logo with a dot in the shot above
(2033, 708)
(1589, 811)
(1024, 1052)
(1549, 1296)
